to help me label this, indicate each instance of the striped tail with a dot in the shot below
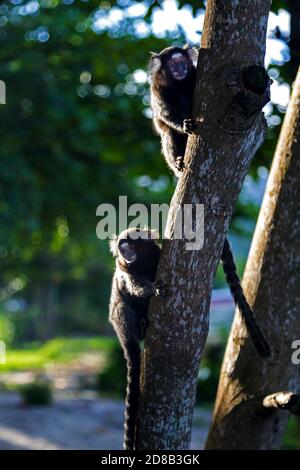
(133, 358)
(260, 343)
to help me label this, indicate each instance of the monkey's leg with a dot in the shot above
(174, 145)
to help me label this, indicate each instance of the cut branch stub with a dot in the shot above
(240, 93)
(256, 90)
(248, 91)
(283, 401)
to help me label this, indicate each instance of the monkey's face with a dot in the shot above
(174, 62)
(134, 245)
(128, 250)
(178, 65)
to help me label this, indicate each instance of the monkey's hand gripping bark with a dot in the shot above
(189, 126)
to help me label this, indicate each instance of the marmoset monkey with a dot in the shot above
(137, 254)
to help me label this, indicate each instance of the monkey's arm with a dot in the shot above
(174, 115)
(142, 289)
(182, 124)
(172, 120)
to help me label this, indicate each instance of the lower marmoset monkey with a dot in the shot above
(137, 254)
(172, 74)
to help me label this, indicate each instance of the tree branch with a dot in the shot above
(271, 282)
(283, 401)
(231, 128)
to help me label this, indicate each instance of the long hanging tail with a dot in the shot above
(133, 358)
(260, 343)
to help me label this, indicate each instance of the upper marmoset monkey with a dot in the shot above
(172, 74)
(137, 254)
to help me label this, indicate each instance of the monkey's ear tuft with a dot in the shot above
(155, 64)
(193, 55)
(113, 245)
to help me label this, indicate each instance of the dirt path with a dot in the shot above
(74, 421)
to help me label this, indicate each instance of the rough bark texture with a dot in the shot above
(231, 128)
(272, 284)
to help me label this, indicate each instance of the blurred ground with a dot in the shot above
(75, 421)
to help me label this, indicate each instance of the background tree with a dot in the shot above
(271, 281)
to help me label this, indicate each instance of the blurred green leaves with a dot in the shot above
(75, 133)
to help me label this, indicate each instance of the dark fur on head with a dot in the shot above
(136, 250)
(163, 66)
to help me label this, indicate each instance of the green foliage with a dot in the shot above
(291, 439)
(38, 393)
(71, 139)
(112, 379)
(6, 330)
(59, 350)
(74, 134)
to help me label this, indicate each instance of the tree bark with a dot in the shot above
(230, 128)
(271, 281)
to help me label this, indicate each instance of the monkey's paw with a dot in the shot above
(161, 289)
(179, 163)
(189, 126)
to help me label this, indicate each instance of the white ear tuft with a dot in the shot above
(193, 54)
(155, 64)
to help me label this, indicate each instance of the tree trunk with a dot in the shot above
(46, 303)
(229, 95)
(244, 417)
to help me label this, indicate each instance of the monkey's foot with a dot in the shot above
(189, 126)
(161, 289)
(179, 163)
